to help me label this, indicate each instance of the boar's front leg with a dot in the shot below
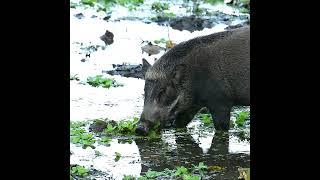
(221, 117)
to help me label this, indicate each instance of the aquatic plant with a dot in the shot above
(124, 127)
(214, 1)
(244, 10)
(159, 7)
(78, 135)
(118, 156)
(158, 41)
(180, 172)
(241, 118)
(78, 171)
(99, 80)
(104, 140)
(206, 119)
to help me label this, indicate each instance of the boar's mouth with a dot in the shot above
(180, 120)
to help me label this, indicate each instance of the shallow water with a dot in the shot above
(175, 148)
(197, 144)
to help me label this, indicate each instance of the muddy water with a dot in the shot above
(174, 148)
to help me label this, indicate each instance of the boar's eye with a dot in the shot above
(166, 95)
(161, 94)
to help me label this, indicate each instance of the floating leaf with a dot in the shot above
(118, 156)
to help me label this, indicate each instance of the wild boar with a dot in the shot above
(211, 71)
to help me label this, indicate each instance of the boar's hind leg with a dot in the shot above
(221, 118)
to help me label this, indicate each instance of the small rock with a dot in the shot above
(235, 26)
(190, 23)
(126, 70)
(83, 60)
(79, 16)
(107, 18)
(151, 49)
(94, 16)
(107, 38)
(97, 126)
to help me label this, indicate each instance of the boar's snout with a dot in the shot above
(142, 128)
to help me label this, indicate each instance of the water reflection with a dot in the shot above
(174, 148)
(159, 154)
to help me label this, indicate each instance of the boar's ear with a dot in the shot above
(145, 67)
(178, 74)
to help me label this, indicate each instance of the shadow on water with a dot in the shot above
(185, 151)
(176, 147)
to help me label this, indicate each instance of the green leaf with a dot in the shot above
(241, 118)
(190, 177)
(142, 178)
(181, 170)
(118, 156)
(75, 140)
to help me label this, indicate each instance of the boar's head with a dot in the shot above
(168, 98)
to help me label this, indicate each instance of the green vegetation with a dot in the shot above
(128, 177)
(241, 118)
(169, 15)
(121, 127)
(215, 168)
(97, 153)
(78, 135)
(118, 156)
(181, 171)
(104, 5)
(159, 7)
(195, 173)
(206, 119)
(105, 140)
(78, 124)
(196, 9)
(153, 135)
(244, 10)
(128, 2)
(161, 11)
(201, 168)
(74, 77)
(127, 127)
(242, 125)
(124, 141)
(99, 80)
(78, 171)
(214, 1)
(159, 41)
